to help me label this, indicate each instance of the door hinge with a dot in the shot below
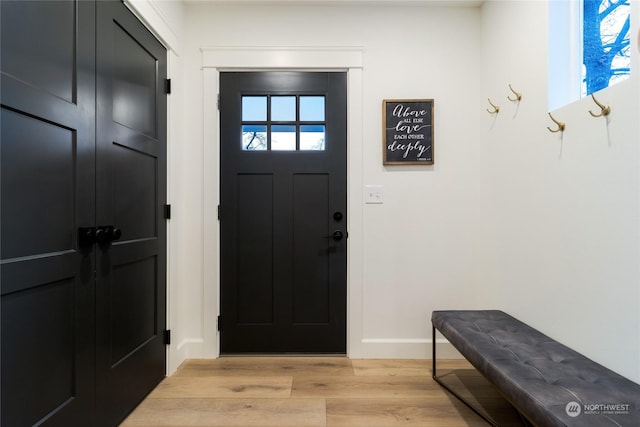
(219, 323)
(167, 211)
(167, 86)
(218, 102)
(218, 212)
(167, 336)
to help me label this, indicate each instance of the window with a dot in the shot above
(283, 123)
(606, 43)
(589, 47)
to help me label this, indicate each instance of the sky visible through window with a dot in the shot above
(294, 123)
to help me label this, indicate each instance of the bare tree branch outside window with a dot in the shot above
(606, 43)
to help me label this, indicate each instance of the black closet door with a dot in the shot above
(47, 193)
(130, 196)
(83, 147)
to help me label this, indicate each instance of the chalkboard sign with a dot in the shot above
(407, 134)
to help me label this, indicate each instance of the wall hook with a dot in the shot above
(517, 94)
(496, 109)
(561, 125)
(604, 109)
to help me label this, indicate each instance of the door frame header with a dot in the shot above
(282, 57)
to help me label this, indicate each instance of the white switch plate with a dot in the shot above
(373, 194)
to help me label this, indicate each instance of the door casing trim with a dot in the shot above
(303, 58)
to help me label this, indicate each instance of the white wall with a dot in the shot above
(561, 209)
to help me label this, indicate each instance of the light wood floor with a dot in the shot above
(318, 391)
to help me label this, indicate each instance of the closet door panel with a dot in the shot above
(131, 193)
(47, 169)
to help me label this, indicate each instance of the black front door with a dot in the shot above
(283, 212)
(82, 193)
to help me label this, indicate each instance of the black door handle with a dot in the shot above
(101, 236)
(86, 236)
(107, 234)
(116, 233)
(337, 235)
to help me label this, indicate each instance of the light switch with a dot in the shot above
(373, 194)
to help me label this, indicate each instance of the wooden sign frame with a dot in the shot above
(407, 132)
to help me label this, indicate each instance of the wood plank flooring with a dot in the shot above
(318, 391)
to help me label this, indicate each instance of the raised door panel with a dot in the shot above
(311, 267)
(38, 158)
(40, 48)
(255, 249)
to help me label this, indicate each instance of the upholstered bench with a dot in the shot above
(547, 382)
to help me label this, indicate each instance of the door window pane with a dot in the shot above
(312, 137)
(312, 108)
(283, 123)
(283, 108)
(254, 108)
(254, 137)
(283, 137)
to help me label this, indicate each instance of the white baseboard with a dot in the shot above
(406, 348)
(371, 348)
(189, 348)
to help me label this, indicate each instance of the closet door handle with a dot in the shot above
(86, 236)
(101, 236)
(116, 233)
(107, 233)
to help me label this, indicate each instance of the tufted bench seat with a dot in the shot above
(547, 382)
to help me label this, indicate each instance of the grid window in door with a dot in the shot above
(283, 123)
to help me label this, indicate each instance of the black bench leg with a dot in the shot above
(485, 417)
(433, 351)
